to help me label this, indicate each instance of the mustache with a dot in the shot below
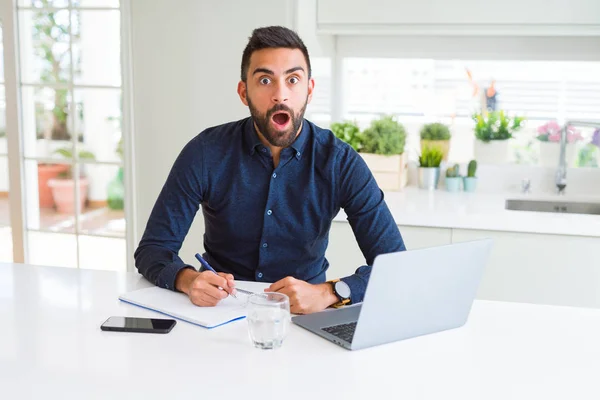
(280, 107)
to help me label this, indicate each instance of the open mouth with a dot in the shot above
(281, 119)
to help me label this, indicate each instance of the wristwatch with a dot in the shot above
(341, 291)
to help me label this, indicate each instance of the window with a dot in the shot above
(427, 90)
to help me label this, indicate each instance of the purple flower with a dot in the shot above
(596, 138)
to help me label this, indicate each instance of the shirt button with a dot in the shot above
(269, 212)
(259, 275)
(264, 150)
(274, 175)
(298, 154)
(265, 245)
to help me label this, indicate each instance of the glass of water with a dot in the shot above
(268, 319)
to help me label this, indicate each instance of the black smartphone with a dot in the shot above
(143, 325)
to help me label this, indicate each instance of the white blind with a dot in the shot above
(540, 90)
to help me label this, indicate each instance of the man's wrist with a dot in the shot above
(327, 294)
(184, 279)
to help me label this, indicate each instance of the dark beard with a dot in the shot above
(276, 138)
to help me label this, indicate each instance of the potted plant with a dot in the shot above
(348, 132)
(383, 151)
(492, 131)
(63, 186)
(453, 178)
(470, 181)
(436, 134)
(51, 46)
(549, 136)
(429, 167)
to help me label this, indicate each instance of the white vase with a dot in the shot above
(550, 153)
(492, 152)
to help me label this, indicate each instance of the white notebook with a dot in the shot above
(178, 305)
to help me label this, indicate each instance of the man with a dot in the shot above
(269, 186)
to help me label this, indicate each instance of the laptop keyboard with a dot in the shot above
(343, 331)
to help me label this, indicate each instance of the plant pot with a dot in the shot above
(45, 173)
(453, 184)
(550, 153)
(390, 172)
(442, 144)
(63, 192)
(470, 183)
(492, 152)
(428, 178)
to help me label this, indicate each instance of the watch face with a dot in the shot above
(342, 289)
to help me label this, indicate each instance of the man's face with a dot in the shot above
(277, 90)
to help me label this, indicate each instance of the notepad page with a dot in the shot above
(178, 305)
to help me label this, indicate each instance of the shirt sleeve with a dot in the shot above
(156, 257)
(369, 216)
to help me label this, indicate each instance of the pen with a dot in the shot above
(206, 265)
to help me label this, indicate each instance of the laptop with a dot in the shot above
(409, 294)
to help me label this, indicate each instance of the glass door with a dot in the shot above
(71, 126)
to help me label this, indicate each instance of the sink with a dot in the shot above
(553, 206)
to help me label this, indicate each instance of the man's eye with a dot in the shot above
(294, 80)
(264, 81)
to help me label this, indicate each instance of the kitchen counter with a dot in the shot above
(485, 211)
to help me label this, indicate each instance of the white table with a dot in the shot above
(51, 347)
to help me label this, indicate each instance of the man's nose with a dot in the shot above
(280, 94)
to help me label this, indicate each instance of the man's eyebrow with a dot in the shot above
(263, 70)
(269, 72)
(289, 71)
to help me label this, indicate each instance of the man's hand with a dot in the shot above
(305, 298)
(204, 288)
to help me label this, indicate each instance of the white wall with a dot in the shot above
(186, 63)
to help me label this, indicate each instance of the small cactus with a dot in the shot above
(472, 168)
(453, 172)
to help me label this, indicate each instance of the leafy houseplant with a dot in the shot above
(383, 151)
(470, 181)
(384, 136)
(51, 43)
(348, 132)
(496, 125)
(436, 134)
(429, 167)
(453, 178)
(493, 130)
(63, 186)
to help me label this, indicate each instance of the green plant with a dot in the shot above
(453, 172)
(496, 125)
(67, 152)
(348, 132)
(51, 43)
(472, 169)
(435, 131)
(384, 136)
(431, 157)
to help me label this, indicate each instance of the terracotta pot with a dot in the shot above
(63, 192)
(45, 173)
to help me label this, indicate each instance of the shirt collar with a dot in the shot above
(252, 140)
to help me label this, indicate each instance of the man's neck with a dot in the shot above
(275, 150)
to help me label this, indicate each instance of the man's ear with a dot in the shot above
(242, 92)
(311, 87)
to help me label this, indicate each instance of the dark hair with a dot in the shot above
(272, 37)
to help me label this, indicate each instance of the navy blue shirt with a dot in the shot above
(264, 223)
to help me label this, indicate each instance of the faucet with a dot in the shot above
(561, 172)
